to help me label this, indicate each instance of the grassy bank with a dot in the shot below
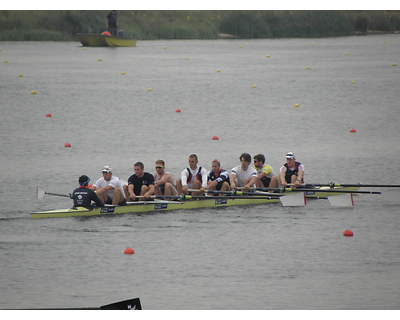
(149, 25)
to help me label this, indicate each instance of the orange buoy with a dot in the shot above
(106, 33)
(67, 145)
(215, 138)
(353, 130)
(178, 110)
(48, 115)
(129, 251)
(348, 233)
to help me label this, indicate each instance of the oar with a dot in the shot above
(297, 199)
(293, 200)
(189, 197)
(330, 191)
(361, 185)
(237, 193)
(40, 193)
(342, 200)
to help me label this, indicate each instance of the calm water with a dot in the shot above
(258, 258)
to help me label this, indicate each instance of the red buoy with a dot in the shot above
(48, 115)
(129, 251)
(348, 233)
(178, 110)
(353, 130)
(215, 138)
(67, 145)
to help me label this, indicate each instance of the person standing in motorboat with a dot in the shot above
(111, 22)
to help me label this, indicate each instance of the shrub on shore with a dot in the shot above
(63, 25)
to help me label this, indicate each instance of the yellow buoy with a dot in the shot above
(122, 73)
(394, 64)
(254, 86)
(165, 48)
(149, 89)
(33, 92)
(307, 68)
(20, 75)
(268, 56)
(218, 70)
(186, 58)
(84, 48)
(240, 46)
(5, 61)
(99, 59)
(296, 105)
(346, 53)
(353, 82)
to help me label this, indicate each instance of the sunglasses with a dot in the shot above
(159, 167)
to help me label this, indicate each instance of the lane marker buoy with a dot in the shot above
(129, 251)
(348, 233)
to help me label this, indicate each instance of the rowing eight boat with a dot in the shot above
(196, 203)
(152, 206)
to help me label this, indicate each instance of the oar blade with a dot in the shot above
(342, 200)
(40, 193)
(131, 304)
(391, 195)
(296, 199)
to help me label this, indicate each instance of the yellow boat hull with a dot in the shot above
(150, 206)
(98, 40)
(163, 205)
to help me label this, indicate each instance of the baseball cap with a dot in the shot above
(106, 169)
(290, 155)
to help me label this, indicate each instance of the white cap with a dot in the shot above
(290, 155)
(106, 169)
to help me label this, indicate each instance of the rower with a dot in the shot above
(163, 181)
(194, 177)
(291, 172)
(218, 179)
(243, 175)
(266, 175)
(140, 183)
(109, 188)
